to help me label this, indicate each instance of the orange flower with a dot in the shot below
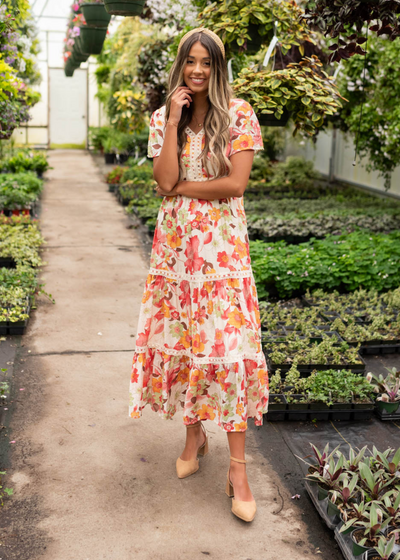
(198, 345)
(244, 142)
(206, 412)
(157, 384)
(183, 376)
(210, 307)
(263, 376)
(241, 427)
(159, 123)
(215, 214)
(240, 248)
(196, 376)
(218, 335)
(245, 107)
(166, 310)
(233, 282)
(135, 414)
(185, 339)
(236, 318)
(174, 240)
(239, 408)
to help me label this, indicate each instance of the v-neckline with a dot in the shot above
(193, 132)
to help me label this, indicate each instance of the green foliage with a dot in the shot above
(231, 19)
(344, 262)
(348, 18)
(373, 107)
(21, 243)
(303, 89)
(19, 190)
(26, 162)
(115, 175)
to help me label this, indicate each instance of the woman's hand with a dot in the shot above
(181, 97)
(172, 192)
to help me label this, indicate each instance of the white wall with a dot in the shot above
(343, 168)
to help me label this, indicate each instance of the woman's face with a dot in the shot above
(197, 68)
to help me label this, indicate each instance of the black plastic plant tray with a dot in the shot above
(380, 349)
(385, 416)
(321, 506)
(7, 262)
(345, 545)
(320, 415)
(306, 369)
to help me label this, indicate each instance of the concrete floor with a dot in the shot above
(89, 482)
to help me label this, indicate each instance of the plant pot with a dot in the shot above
(92, 39)
(95, 15)
(357, 548)
(252, 45)
(390, 407)
(124, 7)
(271, 120)
(322, 493)
(77, 50)
(371, 554)
(341, 411)
(349, 530)
(332, 509)
(69, 69)
(76, 59)
(109, 159)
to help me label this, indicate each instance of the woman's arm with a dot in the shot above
(233, 185)
(166, 165)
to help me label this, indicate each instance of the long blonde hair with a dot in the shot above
(217, 120)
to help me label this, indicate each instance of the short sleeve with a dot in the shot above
(245, 128)
(156, 132)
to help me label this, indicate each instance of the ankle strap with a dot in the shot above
(238, 460)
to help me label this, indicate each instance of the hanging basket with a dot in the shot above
(95, 15)
(7, 133)
(92, 39)
(77, 50)
(252, 45)
(271, 120)
(69, 69)
(124, 7)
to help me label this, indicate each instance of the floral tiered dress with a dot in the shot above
(198, 341)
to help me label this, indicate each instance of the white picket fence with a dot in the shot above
(333, 157)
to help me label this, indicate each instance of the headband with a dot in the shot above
(207, 32)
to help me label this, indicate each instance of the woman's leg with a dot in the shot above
(237, 471)
(195, 438)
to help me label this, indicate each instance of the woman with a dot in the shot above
(198, 343)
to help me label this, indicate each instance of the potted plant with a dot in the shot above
(345, 494)
(366, 536)
(330, 479)
(302, 90)
(383, 551)
(353, 515)
(124, 7)
(349, 18)
(92, 39)
(95, 14)
(247, 25)
(388, 389)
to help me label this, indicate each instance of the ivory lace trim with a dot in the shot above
(256, 356)
(201, 277)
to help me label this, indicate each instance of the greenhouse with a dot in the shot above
(199, 234)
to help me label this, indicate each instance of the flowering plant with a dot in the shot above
(176, 12)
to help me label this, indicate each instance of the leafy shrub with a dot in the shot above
(19, 190)
(344, 262)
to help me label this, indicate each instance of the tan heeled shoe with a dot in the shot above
(186, 468)
(243, 510)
